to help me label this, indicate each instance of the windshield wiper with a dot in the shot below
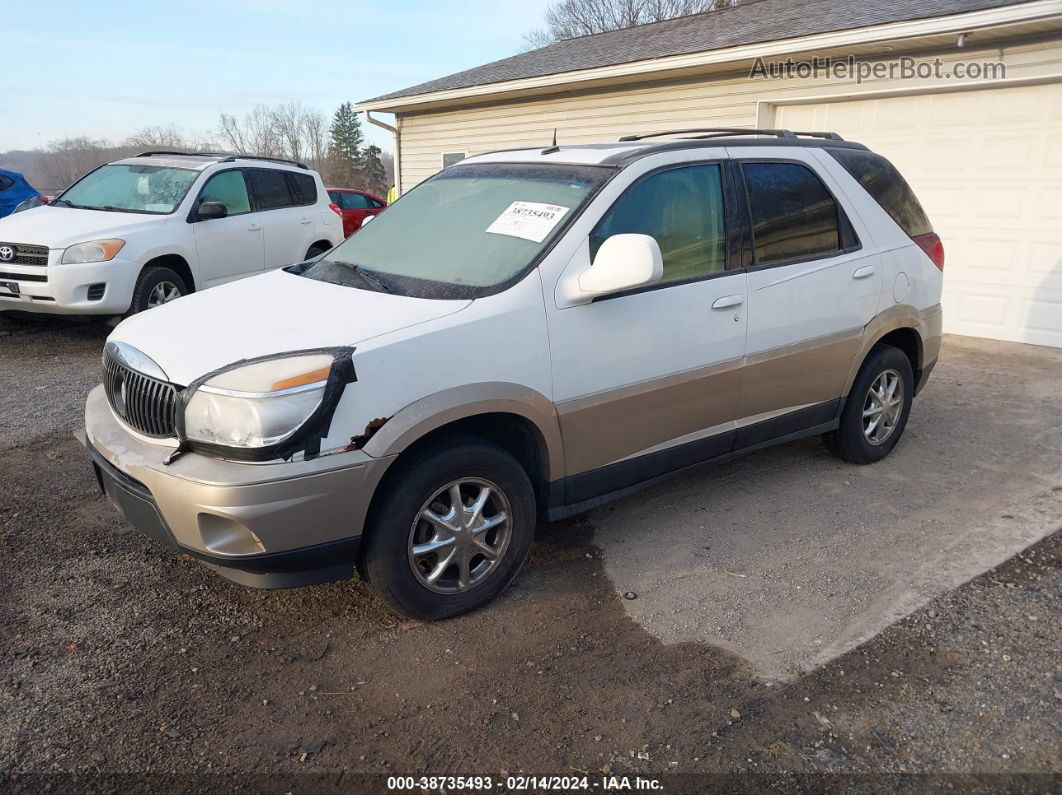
(64, 202)
(366, 274)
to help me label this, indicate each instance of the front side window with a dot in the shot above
(270, 189)
(228, 188)
(466, 232)
(794, 217)
(6, 183)
(683, 210)
(133, 188)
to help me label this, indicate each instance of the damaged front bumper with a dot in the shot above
(266, 525)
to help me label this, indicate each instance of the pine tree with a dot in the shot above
(373, 173)
(345, 140)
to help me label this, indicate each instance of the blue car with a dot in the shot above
(13, 191)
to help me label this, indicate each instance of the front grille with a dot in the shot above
(25, 254)
(146, 404)
(23, 277)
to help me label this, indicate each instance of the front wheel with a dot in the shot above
(876, 412)
(157, 285)
(451, 531)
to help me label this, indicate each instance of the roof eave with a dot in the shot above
(658, 67)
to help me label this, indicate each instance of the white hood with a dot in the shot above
(59, 227)
(265, 315)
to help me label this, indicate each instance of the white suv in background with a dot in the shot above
(526, 334)
(140, 232)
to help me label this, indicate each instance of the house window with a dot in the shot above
(449, 158)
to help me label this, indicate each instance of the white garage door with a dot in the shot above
(987, 167)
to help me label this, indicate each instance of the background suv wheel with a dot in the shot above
(875, 414)
(450, 531)
(156, 286)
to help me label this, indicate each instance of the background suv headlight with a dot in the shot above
(92, 251)
(258, 405)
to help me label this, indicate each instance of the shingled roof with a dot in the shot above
(751, 22)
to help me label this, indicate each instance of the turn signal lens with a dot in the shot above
(311, 377)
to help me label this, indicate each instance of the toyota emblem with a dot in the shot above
(7, 253)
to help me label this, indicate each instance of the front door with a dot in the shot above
(814, 283)
(229, 247)
(649, 381)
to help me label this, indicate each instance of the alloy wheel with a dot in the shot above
(460, 535)
(163, 293)
(883, 407)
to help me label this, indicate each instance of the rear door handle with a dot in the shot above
(864, 272)
(254, 227)
(728, 302)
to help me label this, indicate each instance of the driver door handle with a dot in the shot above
(254, 227)
(728, 302)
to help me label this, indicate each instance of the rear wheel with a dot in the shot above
(315, 251)
(451, 531)
(875, 414)
(156, 286)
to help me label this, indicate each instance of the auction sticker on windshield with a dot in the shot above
(529, 220)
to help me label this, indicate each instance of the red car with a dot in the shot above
(355, 206)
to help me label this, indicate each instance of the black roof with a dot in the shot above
(751, 22)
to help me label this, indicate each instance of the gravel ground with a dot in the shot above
(125, 664)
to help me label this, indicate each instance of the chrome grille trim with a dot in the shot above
(26, 254)
(146, 404)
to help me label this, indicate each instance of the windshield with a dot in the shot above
(464, 233)
(130, 188)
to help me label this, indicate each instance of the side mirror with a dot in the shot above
(208, 211)
(622, 263)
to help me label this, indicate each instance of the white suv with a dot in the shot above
(527, 334)
(142, 231)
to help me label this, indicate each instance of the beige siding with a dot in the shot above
(606, 115)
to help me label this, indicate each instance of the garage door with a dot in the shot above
(987, 167)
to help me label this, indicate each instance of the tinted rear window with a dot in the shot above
(304, 188)
(881, 180)
(794, 217)
(270, 189)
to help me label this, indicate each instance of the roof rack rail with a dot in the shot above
(724, 132)
(161, 152)
(296, 163)
(227, 157)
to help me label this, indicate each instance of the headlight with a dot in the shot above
(93, 251)
(258, 405)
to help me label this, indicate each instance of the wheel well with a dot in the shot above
(515, 434)
(178, 264)
(908, 341)
(324, 245)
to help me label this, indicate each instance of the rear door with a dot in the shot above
(230, 247)
(356, 207)
(814, 283)
(288, 227)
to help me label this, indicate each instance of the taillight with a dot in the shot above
(335, 208)
(933, 247)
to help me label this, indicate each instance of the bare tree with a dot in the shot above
(569, 19)
(66, 160)
(171, 137)
(288, 130)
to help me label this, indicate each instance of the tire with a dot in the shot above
(399, 577)
(152, 279)
(854, 441)
(314, 252)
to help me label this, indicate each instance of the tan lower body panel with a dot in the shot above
(606, 427)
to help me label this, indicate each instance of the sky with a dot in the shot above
(106, 68)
